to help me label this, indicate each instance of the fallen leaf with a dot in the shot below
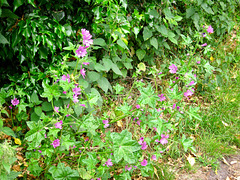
(225, 124)
(227, 178)
(233, 162)
(155, 171)
(191, 159)
(16, 168)
(225, 161)
(120, 123)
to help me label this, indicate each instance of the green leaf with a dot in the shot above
(99, 41)
(147, 33)
(98, 67)
(84, 174)
(142, 67)
(124, 147)
(163, 30)
(36, 133)
(3, 40)
(107, 63)
(122, 44)
(186, 143)
(104, 84)
(16, 4)
(192, 112)
(50, 91)
(8, 131)
(168, 13)
(34, 98)
(58, 15)
(46, 106)
(93, 76)
(136, 31)
(9, 14)
(190, 11)
(140, 54)
(116, 69)
(67, 142)
(63, 173)
(207, 8)
(154, 42)
(89, 124)
(148, 96)
(38, 110)
(91, 161)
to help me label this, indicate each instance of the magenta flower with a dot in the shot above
(198, 62)
(83, 73)
(81, 51)
(10, 107)
(39, 151)
(128, 168)
(154, 157)
(162, 97)
(191, 83)
(203, 45)
(76, 90)
(173, 68)
(45, 135)
(188, 93)
(144, 146)
(210, 29)
(75, 98)
(163, 139)
(85, 63)
(204, 35)
(83, 105)
(14, 102)
(56, 143)
(138, 122)
(87, 41)
(177, 78)
(144, 162)
(137, 106)
(106, 123)
(64, 78)
(108, 163)
(174, 105)
(56, 109)
(58, 125)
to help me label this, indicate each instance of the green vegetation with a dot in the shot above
(101, 89)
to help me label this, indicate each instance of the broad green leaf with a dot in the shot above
(98, 67)
(154, 13)
(116, 69)
(154, 42)
(136, 31)
(118, 88)
(36, 133)
(46, 106)
(8, 131)
(99, 41)
(90, 124)
(168, 13)
(122, 44)
(93, 76)
(148, 96)
(67, 142)
(107, 63)
(91, 161)
(16, 4)
(63, 173)
(3, 40)
(193, 113)
(190, 11)
(124, 147)
(58, 15)
(147, 33)
(207, 8)
(50, 91)
(140, 54)
(104, 84)
(9, 14)
(163, 30)
(84, 174)
(38, 110)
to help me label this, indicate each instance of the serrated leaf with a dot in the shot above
(147, 33)
(104, 84)
(107, 63)
(124, 146)
(163, 30)
(140, 54)
(63, 173)
(154, 42)
(207, 8)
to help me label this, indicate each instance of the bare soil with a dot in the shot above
(229, 169)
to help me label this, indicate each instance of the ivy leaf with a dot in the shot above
(189, 12)
(153, 42)
(63, 173)
(140, 54)
(3, 40)
(17, 3)
(124, 147)
(147, 33)
(50, 91)
(67, 142)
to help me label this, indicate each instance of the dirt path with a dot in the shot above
(229, 169)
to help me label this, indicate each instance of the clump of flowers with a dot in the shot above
(15, 101)
(173, 69)
(56, 143)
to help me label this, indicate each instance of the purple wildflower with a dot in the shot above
(204, 35)
(163, 139)
(64, 78)
(56, 143)
(128, 168)
(58, 125)
(76, 90)
(83, 73)
(56, 109)
(75, 98)
(154, 157)
(203, 45)
(144, 146)
(144, 162)
(174, 105)
(198, 62)
(15, 101)
(108, 163)
(173, 69)
(210, 29)
(188, 93)
(85, 63)
(137, 106)
(191, 83)
(10, 107)
(138, 122)
(81, 51)
(162, 97)
(106, 123)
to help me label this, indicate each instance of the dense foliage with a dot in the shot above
(59, 63)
